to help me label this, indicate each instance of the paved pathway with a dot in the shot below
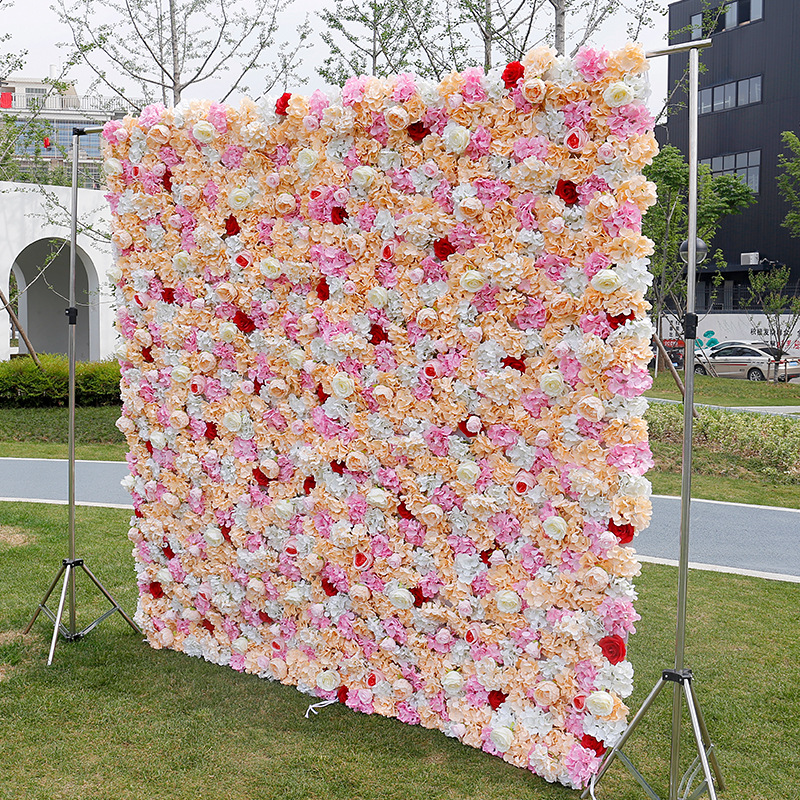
(724, 536)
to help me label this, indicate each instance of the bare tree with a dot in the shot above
(165, 46)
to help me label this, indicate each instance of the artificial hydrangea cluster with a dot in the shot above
(382, 361)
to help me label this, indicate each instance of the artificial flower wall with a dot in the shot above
(382, 362)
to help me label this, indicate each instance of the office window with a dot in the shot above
(746, 165)
(739, 12)
(730, 95)
(696, 23)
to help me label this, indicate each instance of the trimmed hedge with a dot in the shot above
(22, 383)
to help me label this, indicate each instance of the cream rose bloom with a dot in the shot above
(400, 597)
(270, 268)
(363, 177)
(431, 514)
(227, 332)
(555, 528)
(455, 138)
(306, 160)
(606, 281)
(181, 260)
(203, 131)
(342, 385)
(453, 682)
(213, 536)
(378, 296)
(502, 738)
(552, 384)
(507, 602)
(328, 680)
(618, 94)
(232, 420)
(180, 374)
(239, 645)
(112, 166)
(396, 118)
(472, 281)
(468, 472)
(600, 704)
(378, 497)
(284, 509)
(239, 198)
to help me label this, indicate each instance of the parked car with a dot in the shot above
(731, 343)
(755, 363)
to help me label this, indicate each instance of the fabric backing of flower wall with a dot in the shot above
(381, 368)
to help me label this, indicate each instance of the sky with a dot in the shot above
(41, 40)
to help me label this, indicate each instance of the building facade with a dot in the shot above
(749, 95)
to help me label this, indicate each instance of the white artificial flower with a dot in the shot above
(203, 131)
(606, 281)
(455, 138)
(555, 528)
(552, 384)
(507, 602)
(453, 682)
(502, 738)
(618, 94)
(328, 680)
(400, 597)
(472, 281)
(600, 704)
(239, 198)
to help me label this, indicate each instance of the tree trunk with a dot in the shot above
(487, 35)
(7, 305)
(173, 35)
(559, 7)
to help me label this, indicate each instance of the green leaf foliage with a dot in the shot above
(789, 181)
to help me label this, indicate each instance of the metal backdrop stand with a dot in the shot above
(680, 786)
(71, 564)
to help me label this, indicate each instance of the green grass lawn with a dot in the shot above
(113, 719)
(728, 392)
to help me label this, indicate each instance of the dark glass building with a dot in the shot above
(749, 95)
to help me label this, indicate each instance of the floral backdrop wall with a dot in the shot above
(382, 359)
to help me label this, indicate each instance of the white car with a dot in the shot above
(746, 361)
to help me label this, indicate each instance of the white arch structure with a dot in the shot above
(28, 237)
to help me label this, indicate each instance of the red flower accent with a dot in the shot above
(486, 555)
(147, 355)
(442, 249)
(590, 743)
(497, 698)
(282, 104)
(322, 395)
(377, 334)
(168, 552)
(329, 588)
(226, 532)
(156, 590)
(515, 363)
(462, 426)
(419, 598)
(211, 430)
(623, 532)
(166, 180)
(309, 483)
(338, 215)
(337, 467)
(341, 694)
(568, 192)
(138, 514)
(417, 131)
(168, 294)
(618, 320)
(148, 447)
(512, 74)
(613, 648)
(232, 226)
(403, 511)
(261, 478)
(265, 618)
(257, 386)
(209, 626)
(243, 322)
(323, 290)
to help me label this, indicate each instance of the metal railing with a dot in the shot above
(65, 102)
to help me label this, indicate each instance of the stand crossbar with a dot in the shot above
(705, 759)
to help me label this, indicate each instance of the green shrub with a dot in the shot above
(22, 383)
(770, 441)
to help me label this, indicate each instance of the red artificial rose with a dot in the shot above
(147, 355)
(623, 532)
(226, 532)
(323, 290)
(243, 322)
(148, 447)
(168, 552)
(155, 590)
(497, 698)
(419, 598)
(443, 249)
(257, 386)
(377, 334)
(137, 513)
(338, 215)
(282, 104)
(613, 648)
(618, 320)
(322, 395)
(590, 743)
(211, 430)
(341, 694)
(328, 587)
(337, 467)
(231, 226)
(261, 478)
(514, 363)
(309, 483)
(208, 625)
(166, 180)
(168, 294)
(462, 426)
(486, 555)
(512, 74)
(567, 191)
(403, 512)
(417, 131)
(265, 618)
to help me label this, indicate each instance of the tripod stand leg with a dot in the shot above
(612, 754)
(45, 598)
(712, 757)
(67, 570)
(110, 599)
(698, 736)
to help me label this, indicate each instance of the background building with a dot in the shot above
(749, 95)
